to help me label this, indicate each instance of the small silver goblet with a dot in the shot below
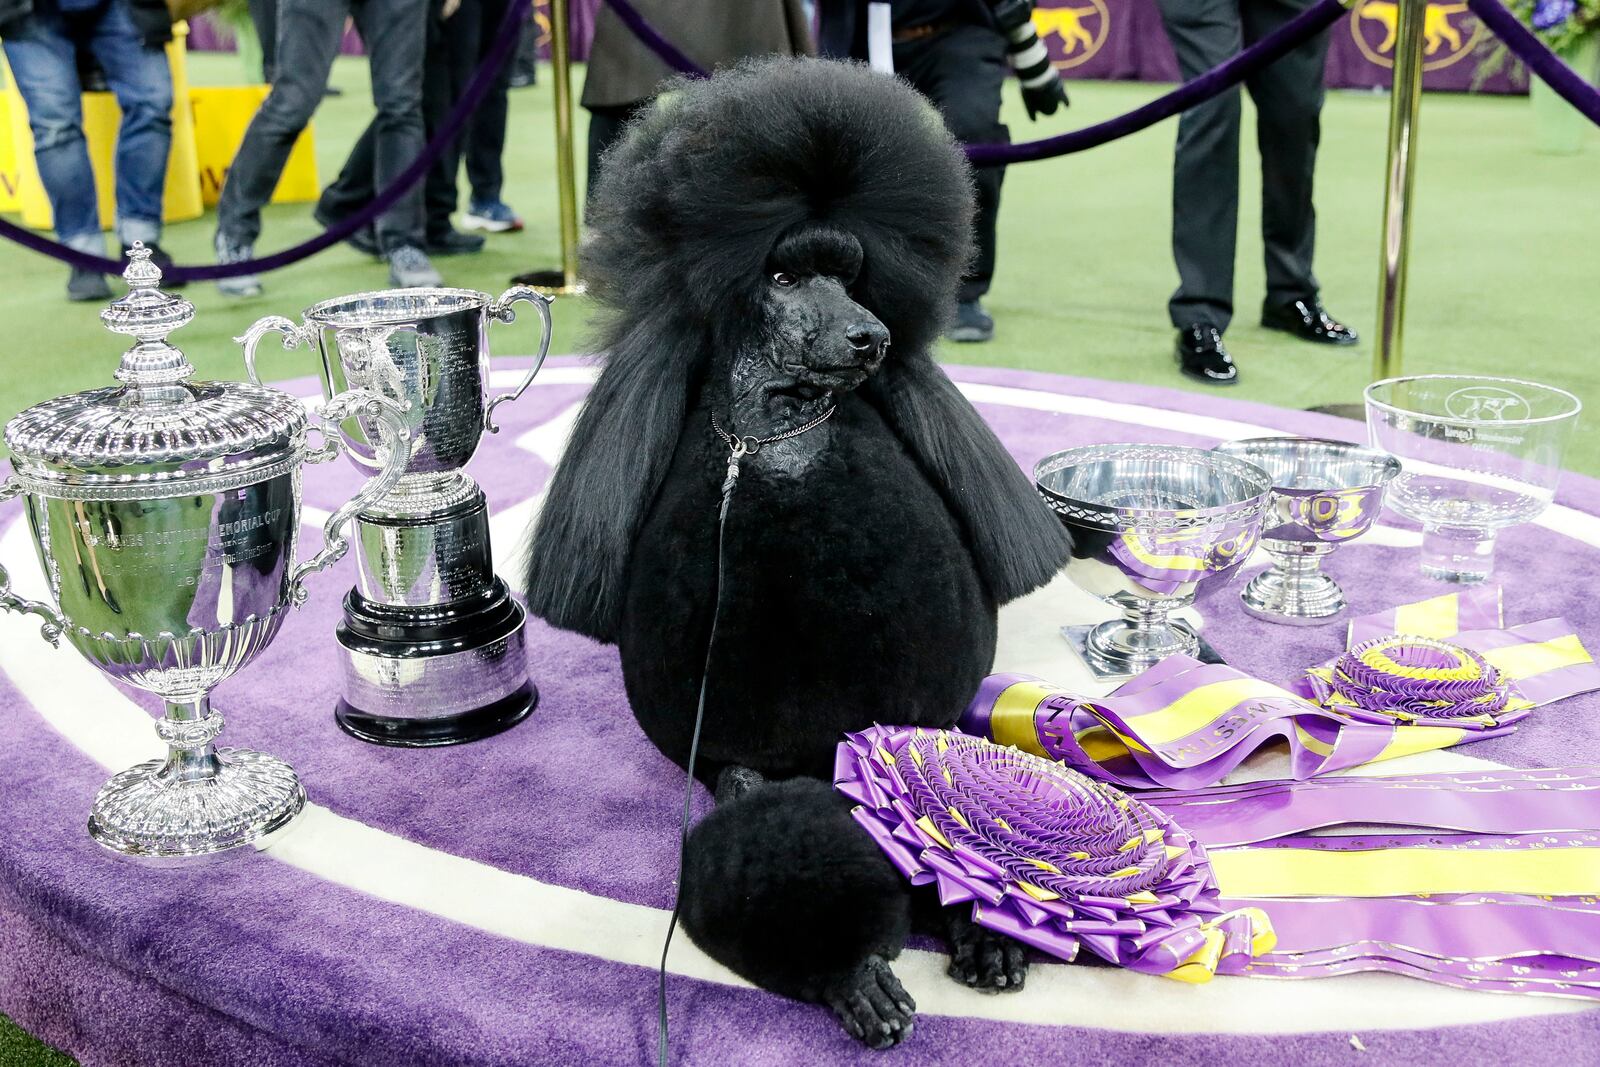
(1324, 494)
(1154, 528)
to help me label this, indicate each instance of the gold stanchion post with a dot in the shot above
(564, 280)
(1405, 104)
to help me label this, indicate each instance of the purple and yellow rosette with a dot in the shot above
(1043, 854)
(1419, 679)
(1450, 661)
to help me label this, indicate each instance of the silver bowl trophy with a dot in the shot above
(166, 512)
(1324, 494)
(432, 638)
(1154, 528)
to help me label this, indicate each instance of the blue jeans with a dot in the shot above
(40, 50)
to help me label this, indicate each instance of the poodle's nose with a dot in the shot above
(866, 336)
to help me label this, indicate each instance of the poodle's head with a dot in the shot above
(813, 206)
(810, 336)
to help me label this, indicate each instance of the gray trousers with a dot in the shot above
(309, 32)
(1205, 180)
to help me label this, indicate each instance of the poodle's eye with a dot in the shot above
(784, 279)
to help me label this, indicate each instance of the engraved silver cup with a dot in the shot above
(1324, 494)
(166, 513)
(433, 639)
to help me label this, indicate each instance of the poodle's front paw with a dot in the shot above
(873, 1005)
(986, 961)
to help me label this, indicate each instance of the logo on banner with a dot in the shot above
(1445, 41)
(1079, 30)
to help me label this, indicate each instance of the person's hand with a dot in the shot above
(1044, 99)
(1042, 91)
(452, 6)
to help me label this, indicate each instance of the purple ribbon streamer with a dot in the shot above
(505, 41)
(1546, 64)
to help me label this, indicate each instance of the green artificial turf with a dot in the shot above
(1505, 255)
(1505, 259)
(17, 1049)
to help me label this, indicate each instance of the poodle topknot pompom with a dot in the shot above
(692, 200)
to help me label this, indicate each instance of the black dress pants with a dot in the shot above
(1205, 182)
(605, 126)
(448, 65)
(962, 70)
(309, 32)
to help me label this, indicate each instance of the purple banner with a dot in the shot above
(1123, 40)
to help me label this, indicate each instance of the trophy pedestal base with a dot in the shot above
(442, 675)
(1114, 650)
(147, 813)
(473, 725)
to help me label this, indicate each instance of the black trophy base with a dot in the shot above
(473, 725)
(420, 677)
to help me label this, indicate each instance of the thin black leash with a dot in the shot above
(738, 448)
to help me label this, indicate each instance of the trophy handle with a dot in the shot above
(293, 337)
(502, 310)
(53, 623)
(391, 419)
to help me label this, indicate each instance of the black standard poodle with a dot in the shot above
(778, 241)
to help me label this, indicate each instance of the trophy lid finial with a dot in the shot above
(148, 314)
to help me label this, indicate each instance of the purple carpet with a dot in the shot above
(253, 961)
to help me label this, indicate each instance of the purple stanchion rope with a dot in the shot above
(1543, 62)
(1290, 35)
(383, 200)
(1304, 26)
(664, 49)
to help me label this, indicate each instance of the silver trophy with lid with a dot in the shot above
(166, 514)
(432, 638)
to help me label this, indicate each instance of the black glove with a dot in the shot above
(1042, 91)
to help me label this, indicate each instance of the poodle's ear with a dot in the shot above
(1017, 541)
(618, 454)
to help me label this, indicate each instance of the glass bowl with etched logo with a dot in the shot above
(1479, 454)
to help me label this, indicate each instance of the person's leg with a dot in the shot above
(46, 71)
(1288, 97)
(309, 32)
(395, 32)
(452, 58)
(485, 139)
(351, 191)
(264, 16)
(139, 76)
(962, 72)
(1205, 174)
(605, 126)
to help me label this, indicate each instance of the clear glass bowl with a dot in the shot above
(1479, 454)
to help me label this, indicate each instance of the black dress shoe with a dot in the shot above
(453, 242)
(1202, 357)
(1309, 321)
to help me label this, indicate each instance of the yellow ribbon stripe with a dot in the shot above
(1525, 661)
(1398, 872)
(1409, 740)
(1012, 720)
(1199, 708)
(1438, 617)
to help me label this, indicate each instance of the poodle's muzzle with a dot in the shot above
(823, 337)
